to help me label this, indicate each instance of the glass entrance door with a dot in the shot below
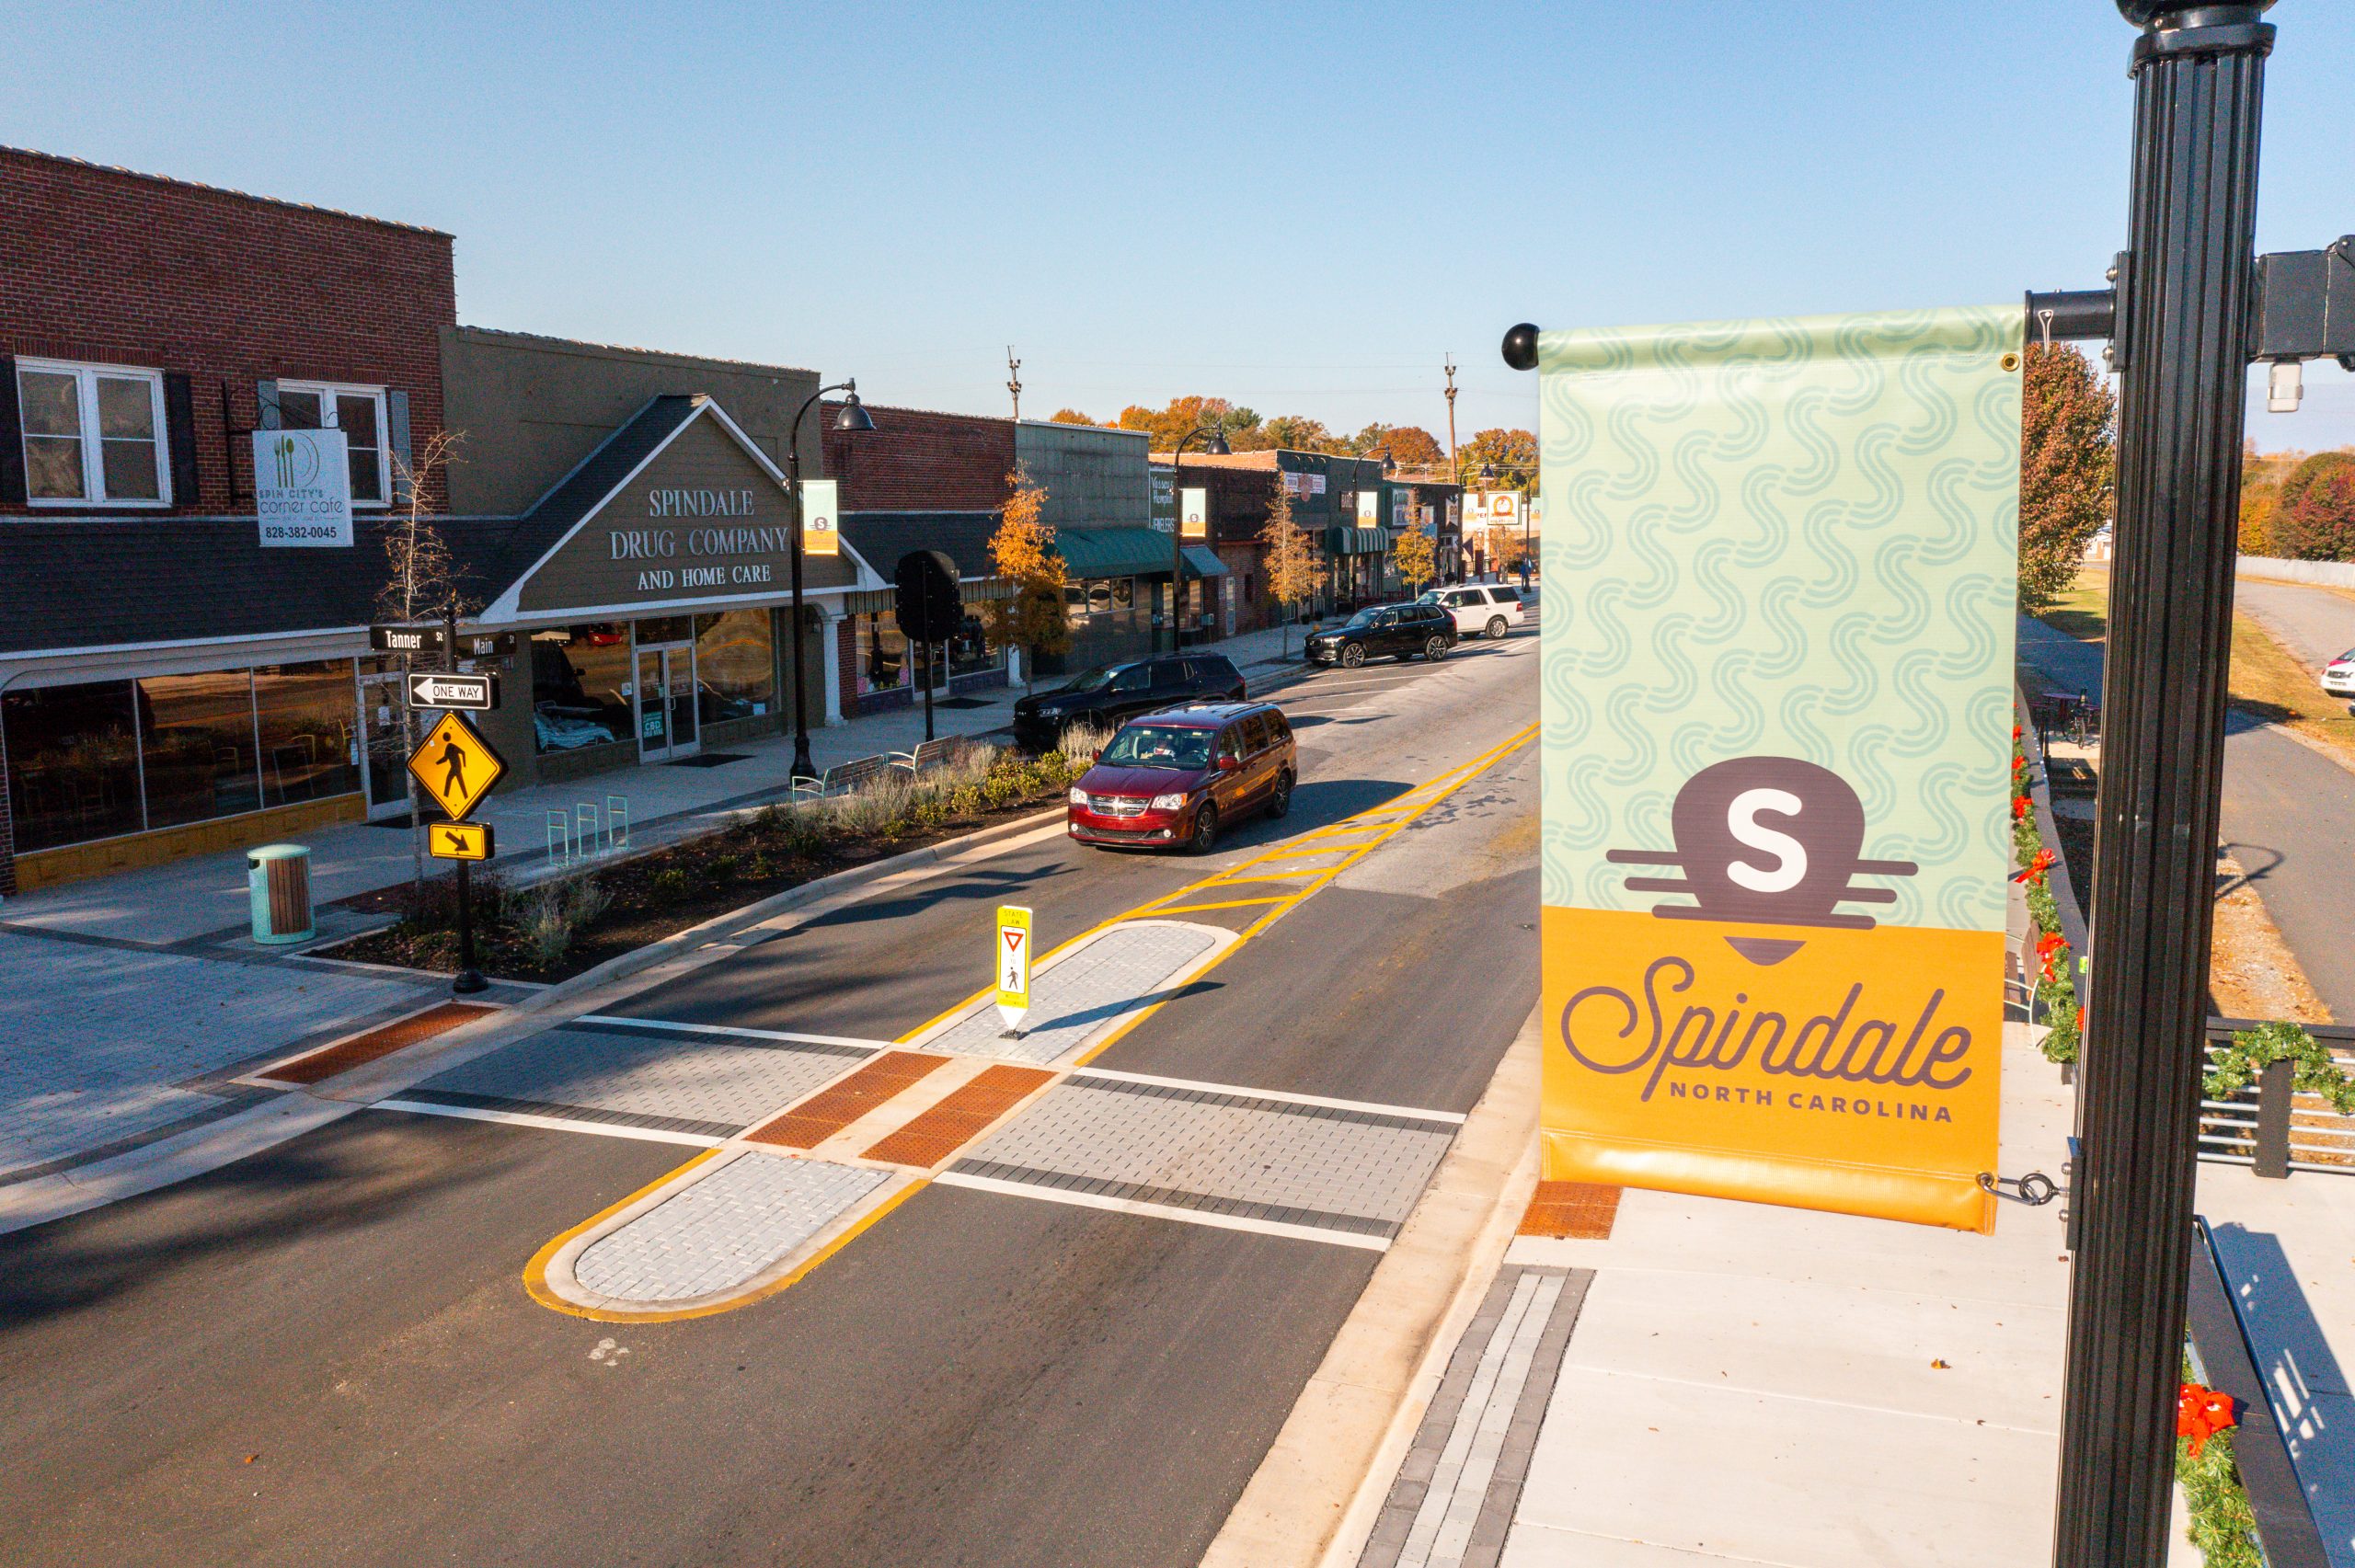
(383, 746)
(666, 703)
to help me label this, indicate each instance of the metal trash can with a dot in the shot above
(278, 882)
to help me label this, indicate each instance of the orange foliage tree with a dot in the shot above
(1022, 553)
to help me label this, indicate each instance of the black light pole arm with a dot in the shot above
(793, 440)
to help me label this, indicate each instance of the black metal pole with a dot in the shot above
(2182, 354)
(803, 768)
(1178, 530)
(469, 978)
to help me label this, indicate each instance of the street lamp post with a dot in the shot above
(853, 418)
(1214, 447)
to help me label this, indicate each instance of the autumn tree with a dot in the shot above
(1068, 417)
(1414, 557)
(422, 583)
(1410, 446)
(1292, 566)
(1298, 433)
(1513, 453)
(2068, 467)
(1022, 553)
(1166, 426)
(2317, 522)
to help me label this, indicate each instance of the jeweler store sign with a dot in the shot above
(1776, 756)
(302, 487)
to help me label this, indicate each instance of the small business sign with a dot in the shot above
(460, 840)
(1194, 513)
(821, 518)
(1369, 508)
(1013, 964)
(302, 488)
(476, 694)
(457, 767)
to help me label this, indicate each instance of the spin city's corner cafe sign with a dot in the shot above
(1778, 754)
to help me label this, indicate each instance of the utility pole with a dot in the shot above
(1451, 411)
(1014, 381)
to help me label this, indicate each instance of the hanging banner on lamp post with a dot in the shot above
(1194, 512)
(1777, 757)
(820, 523)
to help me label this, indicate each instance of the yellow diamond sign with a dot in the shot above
(455, 766)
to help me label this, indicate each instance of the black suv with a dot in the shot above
(1111, 694)
(1402, 631)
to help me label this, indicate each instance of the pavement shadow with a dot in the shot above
(1318, 805)
(2257, 862)
(2311, 1398)
(350, 1175)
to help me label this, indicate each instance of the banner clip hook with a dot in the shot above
(2036, 1189)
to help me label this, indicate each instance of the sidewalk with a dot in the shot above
(127, 1002)
(1744, 1383)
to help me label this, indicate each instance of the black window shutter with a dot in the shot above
(180, 432)
(12, 441)
(396, 419)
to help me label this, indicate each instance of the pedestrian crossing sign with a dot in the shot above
(455, 767)
(1013, 964)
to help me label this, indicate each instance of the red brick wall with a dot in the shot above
(847, 665)
(916, 459)
(98, 265)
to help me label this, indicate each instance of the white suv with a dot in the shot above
(2338, 675)
(1480, 610)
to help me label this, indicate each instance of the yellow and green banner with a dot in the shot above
(1778, 569)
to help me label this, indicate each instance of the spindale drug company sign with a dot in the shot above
(1776, 756)
(302, 489)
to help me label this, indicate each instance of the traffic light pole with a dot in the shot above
(2184, 315)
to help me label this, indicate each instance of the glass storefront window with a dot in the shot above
(969, 652)
(303, 716)
(882, 654)
(196, 745)
(735, 666)
(666, 629)
(73, 763)
(582, 686)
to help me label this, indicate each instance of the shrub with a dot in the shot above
(552, 915)
(721, 869)
(670, 886)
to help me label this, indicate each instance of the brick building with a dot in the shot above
(147, 327)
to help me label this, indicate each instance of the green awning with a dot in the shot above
(1203, 562)
(1342, 541)
(1113, 552)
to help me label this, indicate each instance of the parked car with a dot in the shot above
(1398, 631)
(2338, 675)
(1110, 694)
(1177, 777)
(1479, 612)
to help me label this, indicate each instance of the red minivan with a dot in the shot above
(1176, 776)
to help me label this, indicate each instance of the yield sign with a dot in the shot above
(1013, 963)
(455, 766)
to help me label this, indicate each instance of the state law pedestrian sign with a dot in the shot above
(455, 767)
(1013, 964)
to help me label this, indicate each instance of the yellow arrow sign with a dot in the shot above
(455, 766)
(460, 840)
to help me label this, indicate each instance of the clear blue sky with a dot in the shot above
(1301, 209)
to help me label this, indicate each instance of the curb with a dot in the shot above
(1317, 1492)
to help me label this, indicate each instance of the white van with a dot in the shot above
(1480, 610)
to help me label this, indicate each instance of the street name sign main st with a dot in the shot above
(457, 767)
(432, 689)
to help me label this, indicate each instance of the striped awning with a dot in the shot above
(1344, 541)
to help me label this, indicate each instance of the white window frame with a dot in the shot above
(328, 392)
(86, 376)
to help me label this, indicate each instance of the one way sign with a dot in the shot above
(431, 689)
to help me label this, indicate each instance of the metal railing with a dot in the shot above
(2270, 1125)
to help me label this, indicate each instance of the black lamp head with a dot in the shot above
(853, 415)
(1216, 446)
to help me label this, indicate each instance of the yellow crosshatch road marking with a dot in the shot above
(1403, 808)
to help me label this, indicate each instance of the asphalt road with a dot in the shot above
(2317, 624)
(324, 1355)
(2289, 812)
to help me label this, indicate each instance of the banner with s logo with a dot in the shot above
(1777, 676)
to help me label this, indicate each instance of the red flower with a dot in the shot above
(2200, 1414)
(2021, 807)
(2016, 732)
